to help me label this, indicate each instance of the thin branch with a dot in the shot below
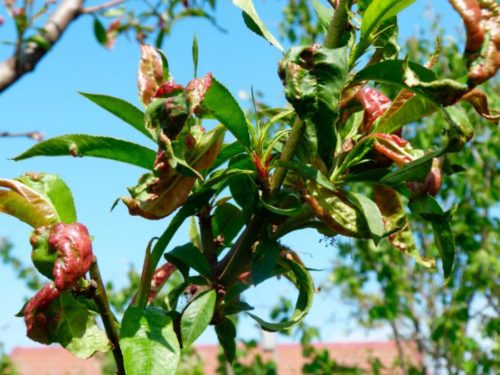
(99, 7)
(31, 53)
(35, 135)
(108, 320)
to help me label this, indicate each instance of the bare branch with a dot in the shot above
(97, 8)
(31, 53)
(35, 135)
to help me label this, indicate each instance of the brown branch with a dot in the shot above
(31, 53)
(97, 8)
(35, 135)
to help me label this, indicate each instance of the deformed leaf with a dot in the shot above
(150, 75)
(254, 23)
(91, 145)
(397, 225)
(148, 342)
(196, 317)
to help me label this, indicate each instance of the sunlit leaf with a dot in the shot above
(148, 342)
(254, 23)
(90, 145)
(196, 317)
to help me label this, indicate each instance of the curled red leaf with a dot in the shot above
(150, 75)
(73, 246)
(195, 92)
(160, 277)
(40, 315)
(470, 12)
(374, 103)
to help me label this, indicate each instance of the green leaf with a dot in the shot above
(189, 256)
(91, 145)
(196, 317)
(121, 109)
(377, 12)
(227, 221)
(264, 260)
(195, 55)
(303, 282)
(78, 331)
(56, 191)
(226, 333)
(222, 105)
(416, 170)
(309, 172)
(189, 208)
(372, 215)
(100, 32)
(314, 77)
(254, 23)
(26, 204)
(226, 153)
(428, 209)
(148, 342)
(323, 12)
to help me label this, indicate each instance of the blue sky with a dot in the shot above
(47, 100)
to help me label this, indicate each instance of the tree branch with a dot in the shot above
(31, 53)
(35, 135)
(97, 8)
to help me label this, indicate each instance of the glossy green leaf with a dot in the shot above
(226, 153)
(56, 191)
(264, 260)
(222, 105)
(196, 317)
(96, 146)
(121, 109)
(194, 52)
(227, 222)
(254, 23)
(148, 342)
(226, 333)
(100, 32)
(304, 284)
(416, 170)
(189, 256)
(26, 204)
(377, 12)
(189, 208)
(309, 172)
(372, 215)
(428, 209)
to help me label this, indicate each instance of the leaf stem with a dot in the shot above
(338, 24)
(108, 320)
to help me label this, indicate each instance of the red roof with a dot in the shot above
(288, 357)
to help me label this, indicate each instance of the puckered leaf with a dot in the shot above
(303, 282)
(341, 216)
(196, 317)
(55, 317)
(26, 204)
(150, 75)
(55, 190)
(396, 223)
(161, 192)
(254, 23)
(313, 78)
(96, 146)
(148, 342)
(121, 109)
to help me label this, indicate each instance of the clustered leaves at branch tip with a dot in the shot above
(348, 171)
